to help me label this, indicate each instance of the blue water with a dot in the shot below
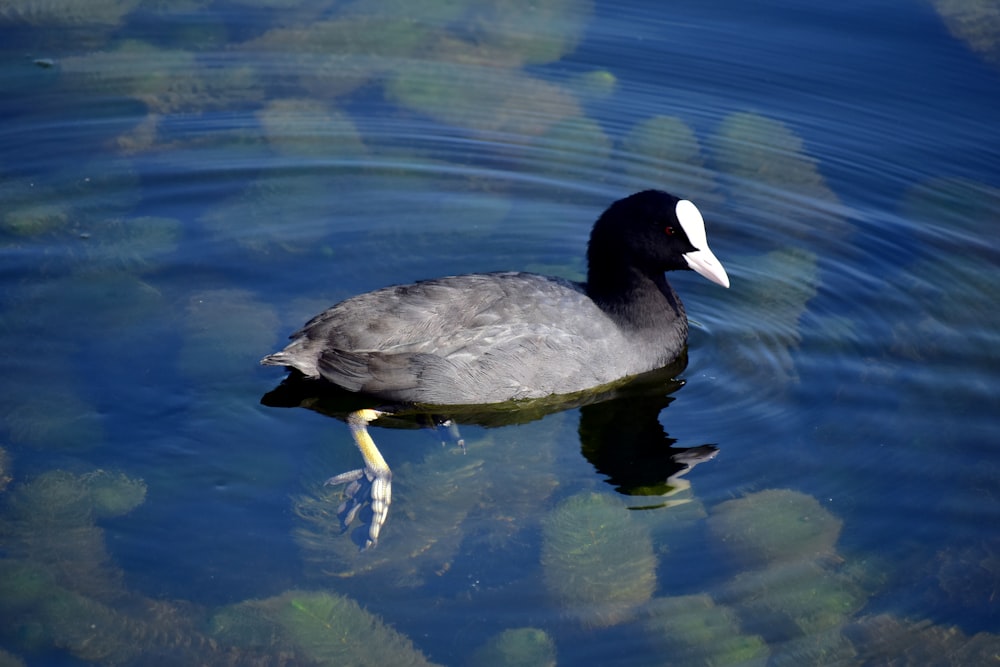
(184, 184)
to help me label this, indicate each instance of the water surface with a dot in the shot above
(184, 184)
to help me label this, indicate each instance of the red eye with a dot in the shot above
(669, 231)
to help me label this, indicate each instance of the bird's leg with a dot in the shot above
(452, 427)
(376, 473)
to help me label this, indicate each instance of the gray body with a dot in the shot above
(480, 338)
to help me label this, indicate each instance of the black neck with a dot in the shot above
(632, 297)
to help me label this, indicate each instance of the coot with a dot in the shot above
(496, 337)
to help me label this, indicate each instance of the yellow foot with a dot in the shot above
(377, 485)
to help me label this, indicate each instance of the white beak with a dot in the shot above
(701, 259)
(708, 265)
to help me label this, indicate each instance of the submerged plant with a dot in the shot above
(693, 630)
(664, 149)
(794, 599)
(167, 81)
(598, 563)
(225, 330)
(898, 642)
(305, 128)
(332, 58)
(534, 31)
(784, 282)
(975, 22)
(50, 522)
(128, 243)
(113, 494)
(51, 13)
(319, 628)
(774, 177)
(481, 97)
(575, 145)
(774, 526)
(5, 476)
(518, 647)
(431, 500)
(49, 413)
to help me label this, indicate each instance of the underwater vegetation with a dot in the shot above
(784, 282)
(490, 483)
(431, 500)
(664, 149)
(773, 526)
(64, 206)
(575, 145)
(50, 521)
(51, 415)
(968, 579)
(788, 600)
(48, 13)
(59, 588)
(693, 630)
(975, 22)
(225, 329)
(958, 216)
(772, 175)
(126, 244)
(256, 218)
(307, 128)
(517, 647)
(319, 628)
(598, 562)
(5, 476)
(895, 642)
(166, 81)
(538, 32)
(481, 98)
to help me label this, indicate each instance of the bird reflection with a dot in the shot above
(620, 432)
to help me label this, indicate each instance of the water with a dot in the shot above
(183, 184)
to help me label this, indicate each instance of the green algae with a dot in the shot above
(50, 13)
(322, 628)
(575, 145)
(598, 563)
(888, 640)
(597, 84)
(782, 285)
(224, 333)
(166, 81)
(481, 98)
(431, 501)
(517, 647)
(257, 218)
(335, 630)
(5, 476)
(51, 415)
(774, 526)
(774, 176)
(307, 128)
(957, 218)
(974, 22)
(794, 599)
(664, 149)
(36, 218)
(103, 300)
(535, 31)
(693, 630)
(113, 494)
(130, 243)
(8, 659)
(332, 58)
(50, 521)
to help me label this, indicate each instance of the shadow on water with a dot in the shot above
(620, 431)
